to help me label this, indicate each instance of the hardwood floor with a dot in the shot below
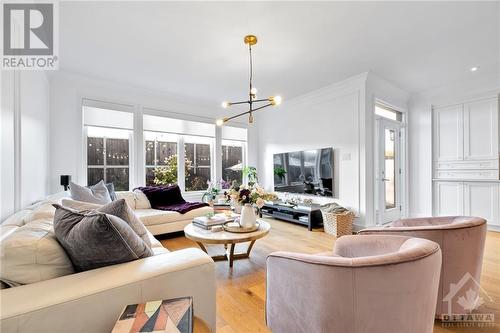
(241, 291)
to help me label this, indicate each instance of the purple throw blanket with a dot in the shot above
(169, 198)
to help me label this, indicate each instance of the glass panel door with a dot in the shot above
(389, 171)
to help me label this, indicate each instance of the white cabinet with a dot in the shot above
(448, 198)
(448, 133)
(480, 199)
(466, 140)
(481, 130)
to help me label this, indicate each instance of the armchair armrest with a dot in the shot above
(91, 301)
(299, 285)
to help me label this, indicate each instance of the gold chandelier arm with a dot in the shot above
(246, 112)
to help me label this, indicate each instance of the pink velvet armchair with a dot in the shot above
(461, 239)
(373, 284)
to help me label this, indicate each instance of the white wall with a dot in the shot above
(67, 91)
(329, 117)
(25, 143)
(420, 133)
(339, 116)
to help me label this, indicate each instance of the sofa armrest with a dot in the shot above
(91, 301)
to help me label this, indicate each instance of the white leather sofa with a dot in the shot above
(90, 301)
(159, 221)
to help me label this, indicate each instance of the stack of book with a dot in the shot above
(208, 222)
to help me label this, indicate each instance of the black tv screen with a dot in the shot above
(305, 172)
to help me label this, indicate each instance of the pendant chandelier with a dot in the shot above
(252, 93)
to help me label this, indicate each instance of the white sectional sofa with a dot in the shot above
(56, 299)
(159, 221)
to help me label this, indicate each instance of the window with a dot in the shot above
(386, 112)
(164, 138)
(108, 157)
(232, 161)
(198, 172)
(159, 147)
(234, 141)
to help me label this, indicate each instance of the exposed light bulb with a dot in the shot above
(225, 104)
(253, 91)
(276, 100)
(475, 68)
(250, 118)
(219, 122)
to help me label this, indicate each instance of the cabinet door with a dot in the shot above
(448, 198)
(481, 130)
(448, 133)
(482, 200)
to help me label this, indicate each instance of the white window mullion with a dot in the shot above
(217, 155)
(181, 174)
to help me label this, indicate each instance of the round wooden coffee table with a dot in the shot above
(202, 236)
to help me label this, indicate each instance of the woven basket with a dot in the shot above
(338, 224)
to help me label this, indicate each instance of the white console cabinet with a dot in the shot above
(466, 160)
(468, 198)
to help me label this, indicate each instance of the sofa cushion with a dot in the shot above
(156, 216)
(128, 196)
(31, 253)
(141, 201)
(97, 193)
(97, 239)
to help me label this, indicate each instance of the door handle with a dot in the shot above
(386, 179)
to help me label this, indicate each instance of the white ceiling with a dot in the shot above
(196, 49)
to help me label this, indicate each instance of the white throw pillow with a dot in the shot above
(141, 201)
(97, 193)
(79, 205)
(32, 254)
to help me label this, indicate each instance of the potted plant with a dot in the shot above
(280, 172)
(251, 173)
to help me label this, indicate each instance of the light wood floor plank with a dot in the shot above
(241, 291)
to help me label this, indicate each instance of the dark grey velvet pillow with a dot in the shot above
(97, 239)
(122, 210)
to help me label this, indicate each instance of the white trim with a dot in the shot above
(17, 142)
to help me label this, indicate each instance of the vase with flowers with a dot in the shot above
(249, 198)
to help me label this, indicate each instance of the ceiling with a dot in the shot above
(196, 49)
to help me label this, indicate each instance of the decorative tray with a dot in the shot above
(230, 227)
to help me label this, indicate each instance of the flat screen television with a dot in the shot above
(306, 172)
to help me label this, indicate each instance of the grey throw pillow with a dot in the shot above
(111, 190)
(122, 210)
(97, 239)
(97, 193)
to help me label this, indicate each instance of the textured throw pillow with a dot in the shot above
(97, 239)
(118, 208)
(97, 193)
(122, 210)
(111, 190)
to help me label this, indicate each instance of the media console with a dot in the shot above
(310, 216)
